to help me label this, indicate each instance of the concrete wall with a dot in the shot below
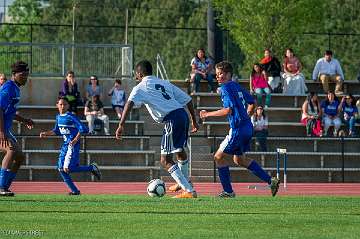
(44, 91)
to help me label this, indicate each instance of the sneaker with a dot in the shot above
(224, 194)
(174, 188)
(6, 193)
(274, 186)
(74, 193)
(186, 195)
(96, 171)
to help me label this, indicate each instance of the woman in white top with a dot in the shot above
(260, 124)
(118, 98)
(311, 115)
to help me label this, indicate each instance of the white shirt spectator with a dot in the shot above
(259, 124)
(328, 68)
(159, 96)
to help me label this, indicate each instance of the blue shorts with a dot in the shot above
(175, 133)
(237, 142)
(69, 155)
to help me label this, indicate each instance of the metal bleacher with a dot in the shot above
(129, 159)
(311, 159)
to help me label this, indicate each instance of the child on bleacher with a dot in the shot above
(330, 113)
(118, 98)
(349, 113)
(70, 127)
(259, 85)
(260, 123)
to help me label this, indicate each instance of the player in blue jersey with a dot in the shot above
(165, 103)
(70, 127)
(9, 99)
(237, 105)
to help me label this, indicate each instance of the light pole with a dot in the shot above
(73, 36)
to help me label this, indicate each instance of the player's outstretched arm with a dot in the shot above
(27, 122)
(194, 124)
(128, 107)
(217, 113)
(43, 134)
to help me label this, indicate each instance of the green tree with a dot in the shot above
(275, 24)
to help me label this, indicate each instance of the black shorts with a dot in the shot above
(120, 106)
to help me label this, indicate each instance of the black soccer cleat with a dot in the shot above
(96, 171)
(6, 193)
(274, 186)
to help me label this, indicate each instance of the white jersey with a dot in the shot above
(159, 96)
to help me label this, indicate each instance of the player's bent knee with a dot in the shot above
(242, 161)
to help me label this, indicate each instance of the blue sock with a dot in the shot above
(224, 175)
(2, 178)
(69, 182)
(10, 178)
(78, 169)
(257, 170)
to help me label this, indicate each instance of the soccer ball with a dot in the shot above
(156, 188)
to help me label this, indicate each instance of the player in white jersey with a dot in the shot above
(165, 103)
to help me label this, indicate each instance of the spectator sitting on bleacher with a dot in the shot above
(328, 69)
(94, 109)
(2, 79)
(93, 88)
(272, 68)
(330, 113)
(311, 115)
(294, 80)
(260, 123)
(118, 98)
(70, 91)
(349, 113)
(202, 68)
(259, 85)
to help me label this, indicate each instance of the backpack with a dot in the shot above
(98, 125)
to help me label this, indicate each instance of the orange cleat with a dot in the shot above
(174, 188)
(186, 195)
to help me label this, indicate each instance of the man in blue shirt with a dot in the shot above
(9, 99)
(237, 105)
(70, 128)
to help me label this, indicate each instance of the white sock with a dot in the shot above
(177, 175)
(184, 167)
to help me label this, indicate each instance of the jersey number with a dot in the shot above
(162, 88)
(241, 96)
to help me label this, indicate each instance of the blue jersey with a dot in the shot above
(68, 125)
(331, 108)
(235, 97)
(9, 99)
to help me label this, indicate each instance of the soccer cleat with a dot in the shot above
(224, 194)
(274, 186)
(96, 171)
(186, 195)
(174, 188)
(74, 193)
(6, 193)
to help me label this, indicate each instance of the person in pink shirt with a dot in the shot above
(259, 85)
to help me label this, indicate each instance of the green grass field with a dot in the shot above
(124, 216)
